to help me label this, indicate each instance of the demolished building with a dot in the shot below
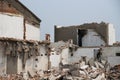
(17, 21)
(87, 39)
(86, 47)
(67, 57)
(21, 50)
(22, 56)
(67, 54)
(20, 47)
(89, 34)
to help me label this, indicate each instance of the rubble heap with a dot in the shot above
(18, 77)
(114, 73)
(83, 71)
(117, 44)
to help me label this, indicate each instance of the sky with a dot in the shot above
(74, 12)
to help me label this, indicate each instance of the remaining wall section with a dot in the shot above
(92, 39)
(11, 26)
(32, 32)
(111, 34)
(3, 60)
(66, 33)
(54, 59)
(112, 54)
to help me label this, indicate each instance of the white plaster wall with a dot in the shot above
(114, 61)
(92, 39)
(3, 59)
(54, 59)
(110, 53)
(43, 60)
(19, 67)
(29, 66)
(65, 56)
(32, 65)
(68, 59)
(89, 52)
(32, 32)
(111, 34)
(42, 63)
(11, 26)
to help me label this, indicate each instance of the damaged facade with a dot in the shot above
(86, 51)
(17, 21)
(22, 56)
(90, 34)
(79, 52)
(69, 53)
(20, 47)
(85, 62)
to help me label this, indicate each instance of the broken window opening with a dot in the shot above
(52, 53)
(117, 54)
(71, 54)
(45, 54)
(70, 49)
(41, 54)
(9, 5)
(81, 34)
(36, 59)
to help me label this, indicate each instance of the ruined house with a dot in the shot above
(18, 56)
(89, 34)
(83, 42)
(20, 47)
(67, 53)
(21, 50)
(65, 56)
(17, 21)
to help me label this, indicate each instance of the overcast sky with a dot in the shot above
(74, 12)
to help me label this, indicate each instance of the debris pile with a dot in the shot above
(79, 71)
(96, 68)
(114, 73)
(85, 71)
(117, 44)
(18, 77)
(74, 71)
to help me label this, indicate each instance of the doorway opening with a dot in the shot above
(81, 34)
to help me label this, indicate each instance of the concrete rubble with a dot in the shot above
(67, 72)
(22, 57)
(114, 73)
(85, 69)
(77, 71)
